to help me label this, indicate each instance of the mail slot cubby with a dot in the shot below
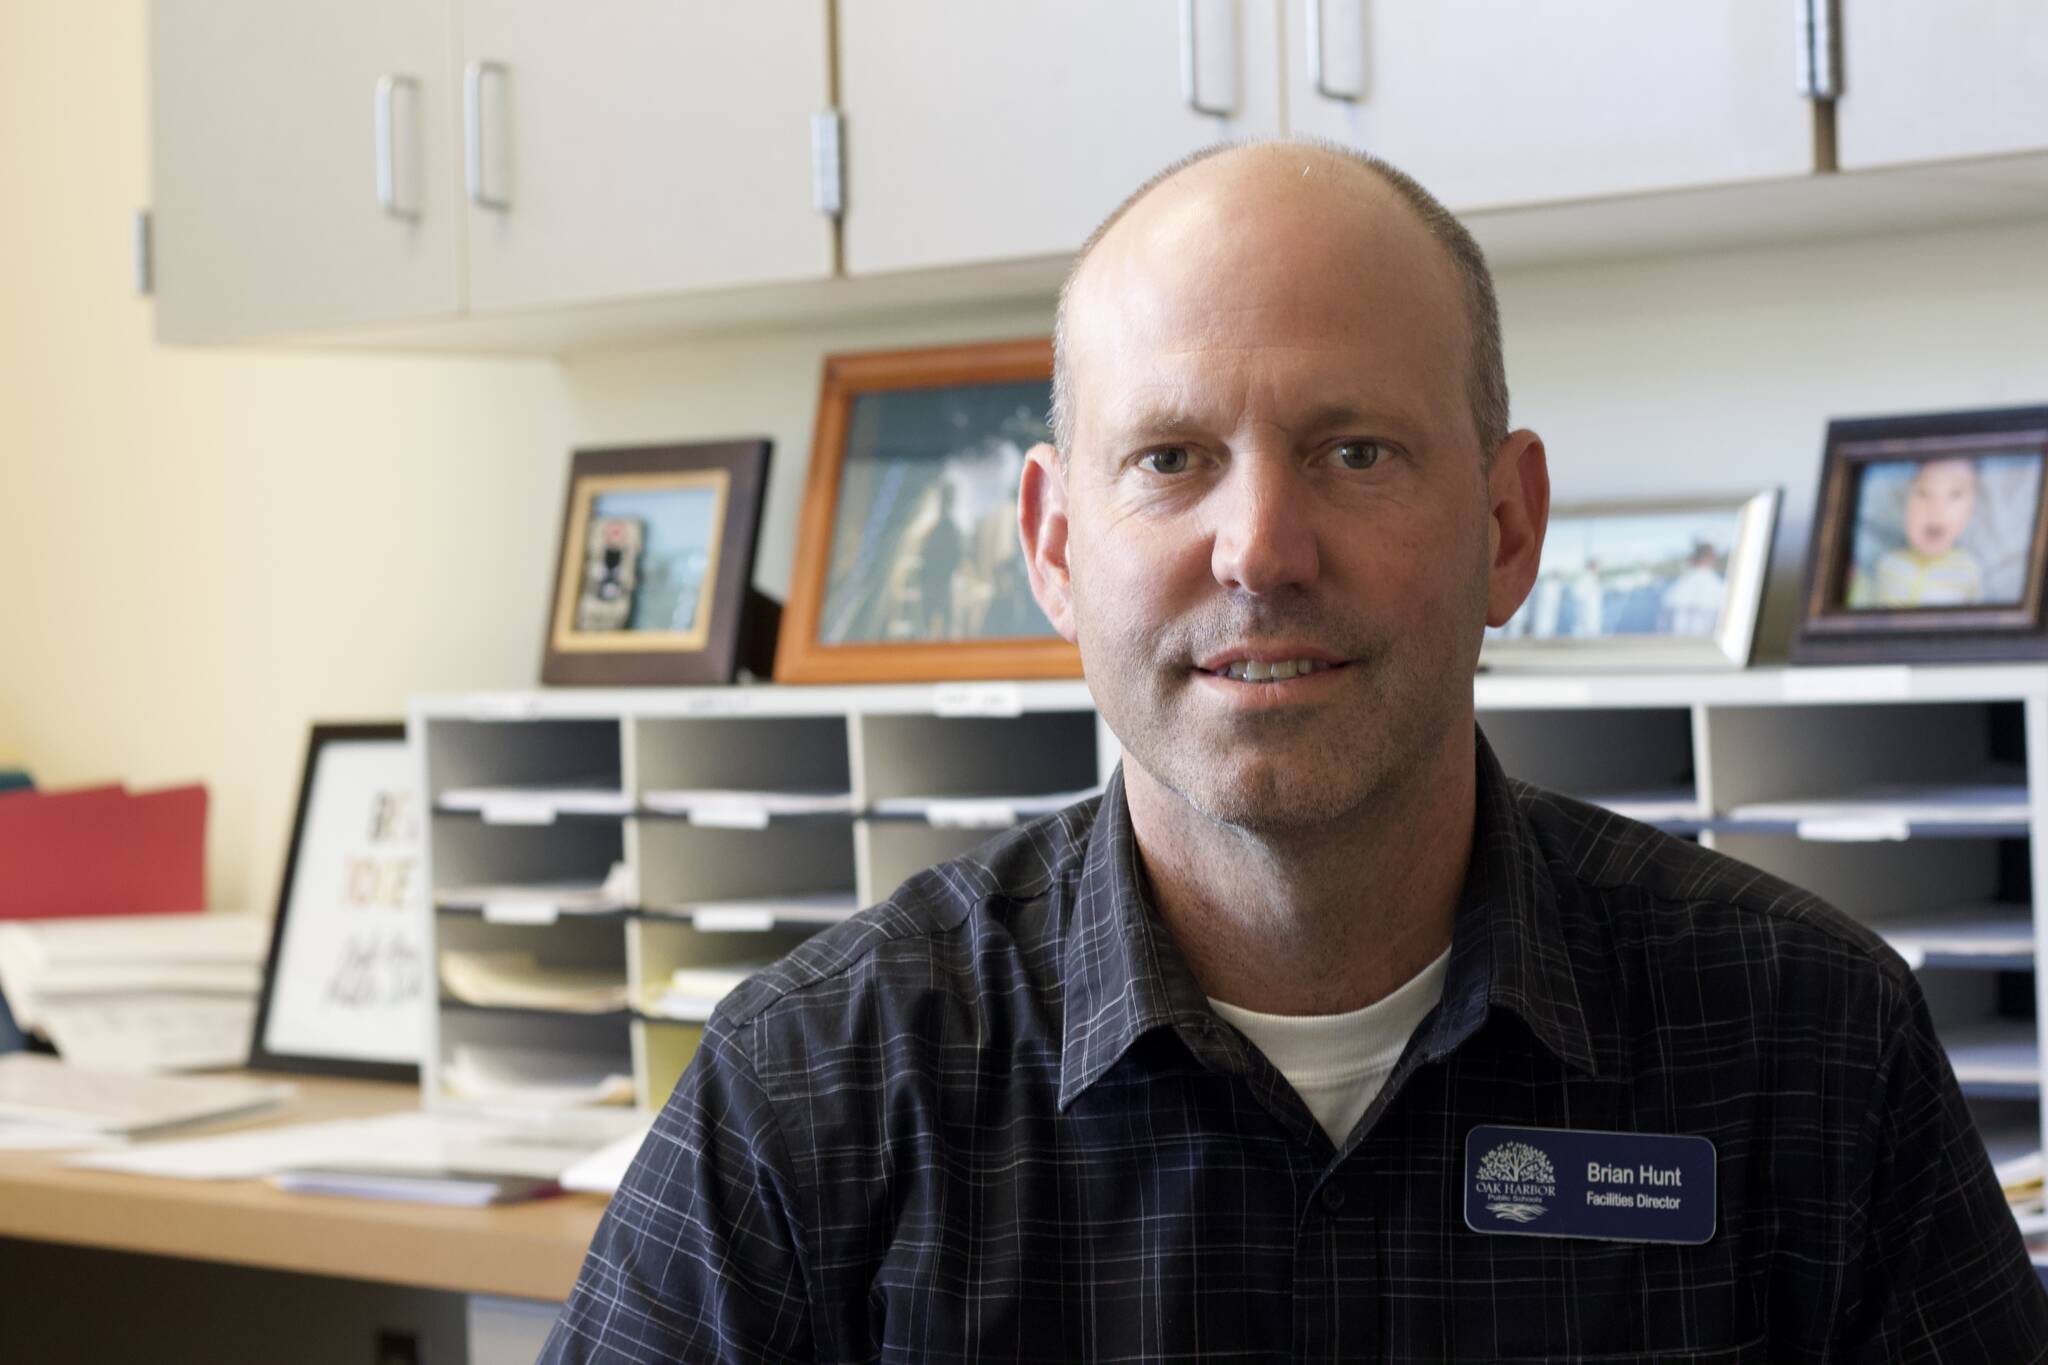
(565, 1053)
(568, 942)
(742, 753)
(468, 852)
(660, 946)
(1640, 755)
(1778, 754)
(470, 754)
(662, 1049)
(893, 850)
(682, 864)
(1878, 880)
(961, 756)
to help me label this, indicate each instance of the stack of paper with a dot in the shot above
(515, 978)
(693, 992)
(531, 1079)
(53, 1094)
(138, 993)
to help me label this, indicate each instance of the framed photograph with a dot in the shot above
(652, 582)
(1930, 540)
(907, 562)
(1673, 583)
(348, 987)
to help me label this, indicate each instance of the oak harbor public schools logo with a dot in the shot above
(1516, 1178)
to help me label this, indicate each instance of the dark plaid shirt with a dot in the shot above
(994, 1119)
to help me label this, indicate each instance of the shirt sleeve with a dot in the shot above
(1943, 1274)
(696, 1257)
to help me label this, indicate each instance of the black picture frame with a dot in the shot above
(1835, 628)
(730, 625)
(323, 739)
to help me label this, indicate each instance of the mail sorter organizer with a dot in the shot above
(605, 865)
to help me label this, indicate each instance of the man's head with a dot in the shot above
(1278, 444)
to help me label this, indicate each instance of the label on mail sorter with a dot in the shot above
(1577, 1182)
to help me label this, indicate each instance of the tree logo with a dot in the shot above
(1516, 1178)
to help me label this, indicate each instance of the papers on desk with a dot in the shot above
(46, 1091)
(414, 1140)
(531, 1079)
(721, 808)
(445, 1186)
(138, 992)
(515, 978)
(603, 1170)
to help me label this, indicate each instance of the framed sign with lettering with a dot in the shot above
(345, 992)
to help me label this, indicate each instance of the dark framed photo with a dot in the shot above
(907, 562)
(652, 585)
(1930, 540)
(1668, 582)
(346, 990)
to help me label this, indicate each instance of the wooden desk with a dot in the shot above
(527, 1251)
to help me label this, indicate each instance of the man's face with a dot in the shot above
(1939, 505)
(1274, 475)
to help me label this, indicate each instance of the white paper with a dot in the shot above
(1850, 829)
(413, 1137)
(539, 805)
(46, 1091)
(603, 1170)
(36, 1137)
(981, 812)
(520, 912)
(734, 808)
(1882, 807)
(729, 920)
(516, 978)
(551, 1079)
(978, 699)
(152, 1032)
(128, 952)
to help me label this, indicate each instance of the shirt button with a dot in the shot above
(1333, 1197)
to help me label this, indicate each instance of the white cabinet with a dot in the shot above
(270, 122)
(1924, 82)
(640, 147)
(1490, 104)
(990, 132)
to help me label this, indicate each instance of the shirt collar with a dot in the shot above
(1124, 977)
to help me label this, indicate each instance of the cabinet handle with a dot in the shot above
(1316, 64)
(1190, 66)
(387, 144)
(473, 124)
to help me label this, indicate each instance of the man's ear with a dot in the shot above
(1042, 529)
(1518, 489)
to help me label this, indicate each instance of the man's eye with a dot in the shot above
(1359, 454)
(1172, 460)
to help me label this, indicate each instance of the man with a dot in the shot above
(1283, 1048)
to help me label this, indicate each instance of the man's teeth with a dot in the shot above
(1250, 670)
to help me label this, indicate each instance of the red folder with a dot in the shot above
(102, 851)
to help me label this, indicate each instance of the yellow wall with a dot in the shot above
(202, 551)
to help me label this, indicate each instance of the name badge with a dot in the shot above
(1574, 1182)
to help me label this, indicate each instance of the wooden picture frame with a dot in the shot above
(1930, 540)
(348, 985)
(658, 592)
(854, 615)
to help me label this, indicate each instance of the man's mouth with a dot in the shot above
(1278, 670)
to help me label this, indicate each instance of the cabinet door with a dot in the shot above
(640, 147)
(1494, 104)
(978, 132)
(300, 153)
(1922, 81)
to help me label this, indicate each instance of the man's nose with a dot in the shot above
(1265, 532)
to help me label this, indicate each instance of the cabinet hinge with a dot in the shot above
(144, 265)
(828, 168)
(1820, 48)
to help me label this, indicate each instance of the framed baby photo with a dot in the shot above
(652, 579)
(1930, 540)
(908, 567)
(1650, 583)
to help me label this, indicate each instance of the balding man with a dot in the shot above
(1315, 1037)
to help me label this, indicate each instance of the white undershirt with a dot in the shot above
(1338, 1062)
